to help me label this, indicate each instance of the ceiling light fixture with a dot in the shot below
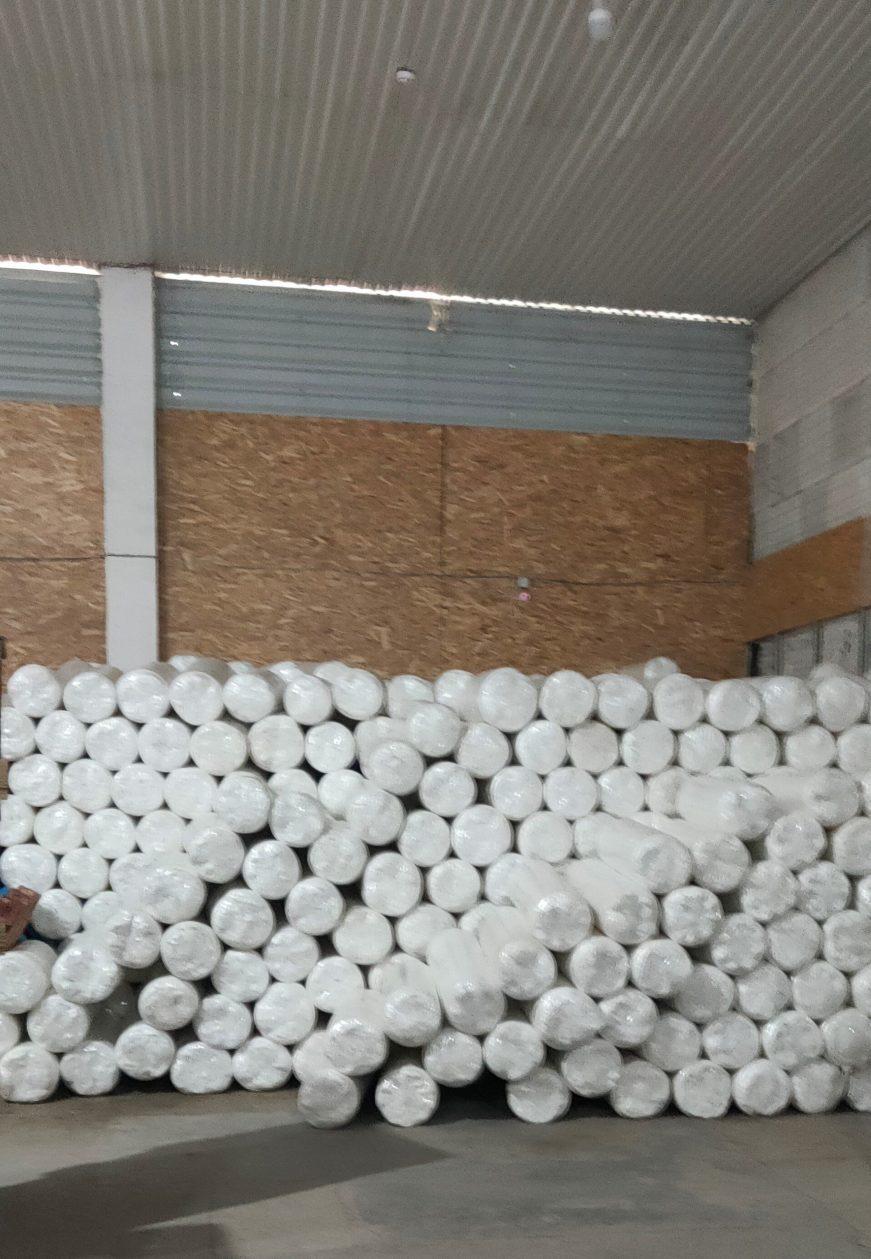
(405, 75)
(600, 23)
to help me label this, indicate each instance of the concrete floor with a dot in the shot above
(239, 1176)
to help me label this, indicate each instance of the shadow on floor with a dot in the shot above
(104, 1209)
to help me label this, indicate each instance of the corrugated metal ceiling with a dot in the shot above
(706, 157)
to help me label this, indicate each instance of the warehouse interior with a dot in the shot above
(500, 338)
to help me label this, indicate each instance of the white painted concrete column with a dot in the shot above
(129, 464)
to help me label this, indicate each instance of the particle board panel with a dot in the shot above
(347, 494)
(51, 478)
(576, 507)
(390, 623)
(825, 576)
(594, 627)
(52, 610)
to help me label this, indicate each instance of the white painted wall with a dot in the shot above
(812, 403)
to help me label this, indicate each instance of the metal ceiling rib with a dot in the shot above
(705, 158)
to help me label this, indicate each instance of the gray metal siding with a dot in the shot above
(49, 337)
(281, 352)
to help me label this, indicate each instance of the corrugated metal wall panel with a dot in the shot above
(280, 352)
(49, 337)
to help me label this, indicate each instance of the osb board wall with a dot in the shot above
(51, 533)
(398, 546)
(825, 576)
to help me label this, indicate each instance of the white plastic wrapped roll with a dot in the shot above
(567, 698)
(703, 1090)
(719, 861)
(407, 1095)
(678, 701)
(447, 789)
(742, 809)
(593, 746)
(796, 840)
(17, 734)
(540, 1097)
(546, 836)
(144, 1052)
(624, 907)
(329, 670)
(513, 1049)
(819, 989)
(763, 993)
(329, 746)
(706, 995)
(28, 1073)
(415, 929)
(659, 968)
(629, 1018)
(164, 743)
(36, 780)
(81, 872)
(598, 966)
(296, 819)
(242, 919)
(16, 821)
(363, 936)
(793, 940)
(394, 766)
(591, 1070)
(847, 1037)
(768, 890)
(642, 1090)
(851, 846)
(405, 690)
(453, 885)
(196, 696)
(541, 746)
(738, 945)
(840, 702)
(250, 697)
(556, 909)
(817, 1087)
(701, 748)
(854, 750)
(761, 1088)
(168, 1003)
(467, 982)
(652, 671)
(307, 699)
(565, 1017)
(732, 1041)
(198, 1068)
(858, 1094)
(190, 950)
(57, 1025)
(675, 1042)
(480, 835)
(846, 940)
(143, 694)
(830, 795)
(621, 791)
(622, 701)
(329, 1099)
(632, 848)
(377, 816)
(90, 695)
(338, 856)
(412, 1010)
(791, 1039)
(733, 705)
(391, 884)
(58, 915)
(190, 791)
(271, 869)
(126, 876)
(314, 906)
(86, 785)
(137, 790)
(507, 699)
(110, 833)
(219, 747)
(356, 1043)
(59, 827)
(569, 792)
(482, 750)
(98, 909)
(91, 1069)
(290, 955)
(33, 690)
(457, 689)
(453, 1058)
(113, 742)
(648, 748)
(242, 976)
(823, 890)
(377, 730)
(358, 694)
(787, 703)
(132, 939)
(61, 736)
(754, 750)
(526, 968)
(425, 839)
(331, 981)
(277, 742)
(243, 801)
(85, 972)
(809, 749)
(29, 865)
(23, 981)
(691, 916)
(222, 1023)
(261, 1065)
(215, 850)
(434, 729)
(171, 891)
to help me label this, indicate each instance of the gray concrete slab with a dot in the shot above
(239, 1176)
